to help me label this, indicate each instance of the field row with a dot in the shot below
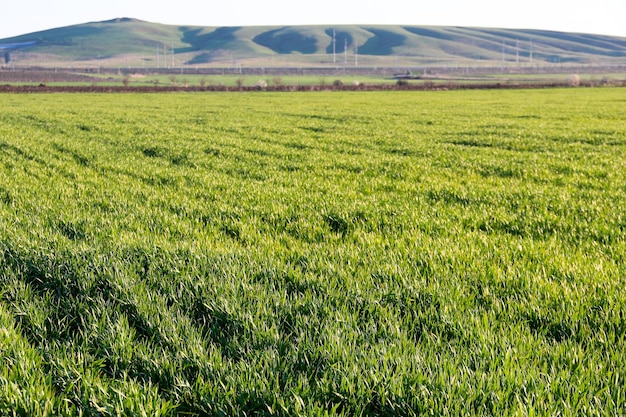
(451, 253)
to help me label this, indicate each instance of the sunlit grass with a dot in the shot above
(451, 253)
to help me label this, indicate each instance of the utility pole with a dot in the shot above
(345, 51)
(356, 54)
(334, 44)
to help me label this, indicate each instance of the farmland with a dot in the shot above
(328, 253)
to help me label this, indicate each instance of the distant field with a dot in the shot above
(433, 253)
(351, 79)
(144, 77)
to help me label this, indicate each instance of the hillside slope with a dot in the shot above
(155, 44)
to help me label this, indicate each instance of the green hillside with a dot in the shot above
(152, 44)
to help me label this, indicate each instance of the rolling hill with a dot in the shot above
(138, 43)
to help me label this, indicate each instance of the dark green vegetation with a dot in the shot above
(142, 44)
(452, 253)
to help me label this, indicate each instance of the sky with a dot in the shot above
(605, 17)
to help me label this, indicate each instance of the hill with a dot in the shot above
(138, 43)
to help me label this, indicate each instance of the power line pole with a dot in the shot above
(356, 54)
(334, 45)
(345, 51)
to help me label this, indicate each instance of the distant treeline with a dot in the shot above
(399, 86)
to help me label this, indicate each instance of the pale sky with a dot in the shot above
(606, 17)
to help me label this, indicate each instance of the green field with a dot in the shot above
(434, 253)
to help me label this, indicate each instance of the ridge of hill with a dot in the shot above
(135, 42)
